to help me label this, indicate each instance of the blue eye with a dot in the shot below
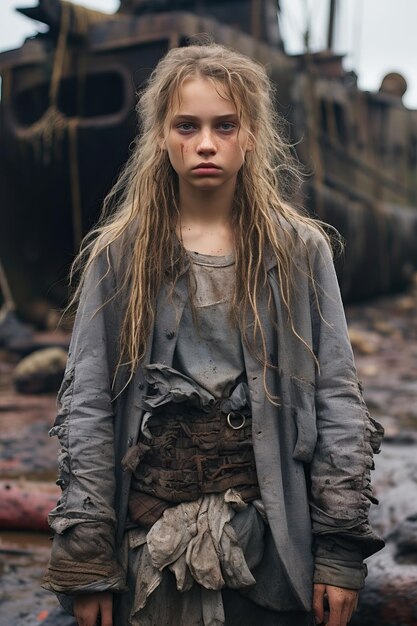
(227, 126)
(185, 127)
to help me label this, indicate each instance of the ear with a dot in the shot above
(250, 141)
(249, 145)
(161, 143)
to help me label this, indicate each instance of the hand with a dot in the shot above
(88, 607)
(342, 603)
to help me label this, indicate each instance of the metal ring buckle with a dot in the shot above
(233, 414)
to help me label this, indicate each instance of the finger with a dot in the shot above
(350, 605)
(91, 620)
(318, 602)
(346, 613)
(335, 614)
(334, 619)
(353, 605)
(86, 613)
(106, 610)
(83, 619)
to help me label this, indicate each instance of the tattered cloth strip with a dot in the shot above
(196, 542)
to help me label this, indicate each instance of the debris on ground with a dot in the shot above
(41, 371)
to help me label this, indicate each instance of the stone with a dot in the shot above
(41, 371)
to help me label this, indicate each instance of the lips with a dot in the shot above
(206, 166)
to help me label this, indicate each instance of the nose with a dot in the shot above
(206, 144)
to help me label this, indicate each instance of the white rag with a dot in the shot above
(197, 543)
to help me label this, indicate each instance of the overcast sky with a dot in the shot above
(377, 36)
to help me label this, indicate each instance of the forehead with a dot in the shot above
(201, 96)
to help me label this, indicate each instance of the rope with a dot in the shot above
(61, 50)
(53, 123)
(51, 128)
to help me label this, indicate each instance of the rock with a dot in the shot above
(383, 327)
(370, 370)
(390, 594)
(25, 505)
(395, 486)
(405, 538)
(364, 342)
(405, 304)
(41, 371)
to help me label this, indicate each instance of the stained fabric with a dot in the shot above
(193, 454)
(79, 561)
(191, 444)
(197, 543)
(216, 361)
(169, 386)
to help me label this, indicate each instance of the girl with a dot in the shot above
(215, 445)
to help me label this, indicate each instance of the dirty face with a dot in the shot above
(203, 137)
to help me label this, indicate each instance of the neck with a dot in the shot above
(205, 219)
(206, 206)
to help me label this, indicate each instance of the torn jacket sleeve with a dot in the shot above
(348, 437)
(83, 551)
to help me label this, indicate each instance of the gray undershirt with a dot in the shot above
(216, 360)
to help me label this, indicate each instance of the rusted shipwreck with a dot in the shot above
(67, 119)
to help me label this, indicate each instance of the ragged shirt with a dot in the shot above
(216, 362)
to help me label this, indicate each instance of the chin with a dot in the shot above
(208, 185)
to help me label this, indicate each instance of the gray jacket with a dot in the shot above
(313, 452)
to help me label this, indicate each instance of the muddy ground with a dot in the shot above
(26, 454)
(384, 337)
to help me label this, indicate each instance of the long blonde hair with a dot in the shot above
(142, 209)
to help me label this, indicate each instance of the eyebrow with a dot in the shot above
(194, 118)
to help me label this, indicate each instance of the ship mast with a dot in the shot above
(331, 28)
